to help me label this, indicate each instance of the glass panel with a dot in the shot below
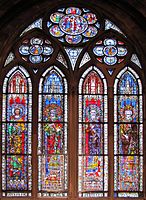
(128, 135)
(52, 135)
(16, 135)
(73, 25)
(93, 139)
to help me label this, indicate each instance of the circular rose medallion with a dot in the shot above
(110, 60)
(71, 39)
(90, 32)
(55, 31)
(73, 24)
(36, 49)
(110, 51)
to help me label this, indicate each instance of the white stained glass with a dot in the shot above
(115, 86)
(122, 51)
(141, 173)
(135, 60)
(35, 70)
(40, 85)
(45, 73)
(30, 108)
(39, 139)
(105, 86)
(30, 85)
(92, 194)
(111, 25)
(65, 140)
(115, 138)
(134, 73)
(99, 72)
(98, 50)
(10, 58)
(105, 108)
(61, 59)
(24, 71)
(141, 139)
(105, 139)
(106, 173)
(3, 173)
(5, 85)
(80, 108)
(110, 60)
(11, 71)
(59, 71)
(140, 86)
(110, 42)
(3, 138)
(80, 85)
(140, 109)
(66, 172)
(4, 108)
(115, 173)
(65, 85)
(121, 72)
(35, 24)
(39, 172)
(73, 54)
(121, 194)
(59, 194)
(115, 108)
(65, 109)
(29, 139)
(86, 58)
(80, 139)
(19, 194)
(40, 110)
(29, 173)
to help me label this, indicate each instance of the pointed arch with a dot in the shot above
(16, 133)
(93, 139)
(128, 134)
(52, 134)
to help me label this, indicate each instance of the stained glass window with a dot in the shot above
(35, 50)
(73, 25)
(128, 135)
(52, 134)
(85, 126)
(110, 51)
(93, 144)
(16, 134)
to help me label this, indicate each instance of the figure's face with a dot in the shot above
(17, 111)
(128, 115)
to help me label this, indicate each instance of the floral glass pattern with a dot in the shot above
(36, 50)
(110, 51)
(73, 25)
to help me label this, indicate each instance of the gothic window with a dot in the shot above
(93, 145)
(52, 134)
(17, 134)
(72, 109)
(128, 133)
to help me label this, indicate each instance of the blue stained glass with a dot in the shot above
(53, 84)
(35, 59)
(53, 108)
(128, 84)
